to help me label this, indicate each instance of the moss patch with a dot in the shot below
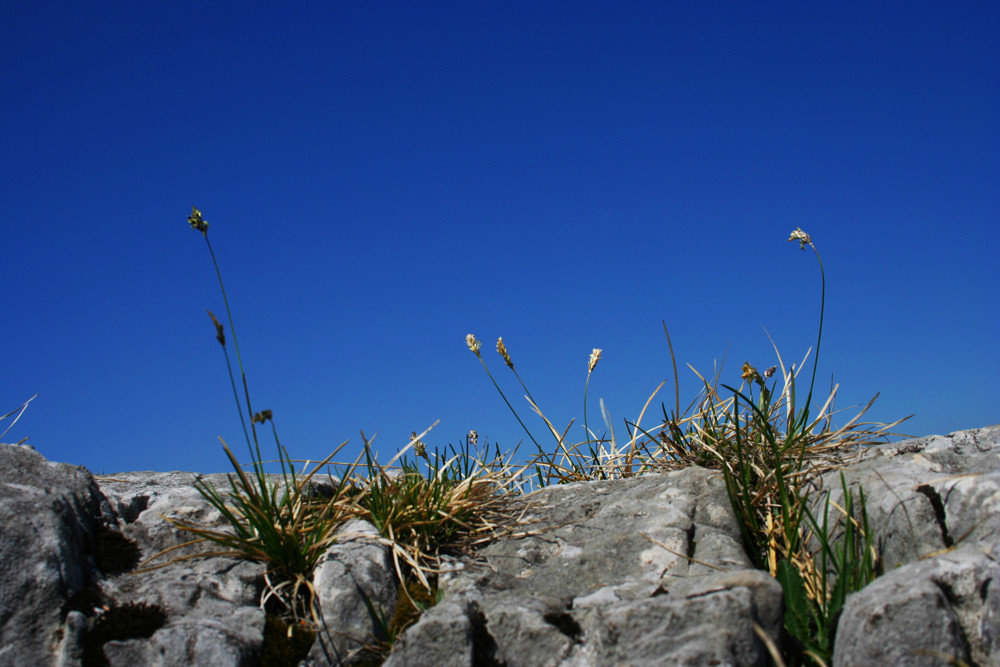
(407, 613)
(284, 645)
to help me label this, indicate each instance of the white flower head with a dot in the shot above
(801, 237)
(473, 344)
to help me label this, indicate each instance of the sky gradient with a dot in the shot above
(383, 178)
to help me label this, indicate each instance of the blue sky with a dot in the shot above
(383, 178)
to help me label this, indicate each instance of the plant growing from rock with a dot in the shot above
(426, 506)
(446, 503)
(603, 458)
(770, 449)
(276, 520)
(421, 510)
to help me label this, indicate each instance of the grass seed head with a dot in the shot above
(502, 349)
(219, 334)
(595, 356)
(750, 373)
(197, 222)
(419, 448)
(473, 344)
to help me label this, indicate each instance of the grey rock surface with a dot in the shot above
(48, 513)
(357, 587)
(946, 607)
(929, 494)
(646, 570)
(140, 500)
(640, 571)
(934, 503)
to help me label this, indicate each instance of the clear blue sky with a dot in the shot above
(383, 178)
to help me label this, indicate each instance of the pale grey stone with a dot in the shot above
(647, 570)
(639, 571)
(48, 512)
(357, 589)
(71, 649)
(443, 637)
(934, 505)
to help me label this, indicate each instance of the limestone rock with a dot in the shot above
(934, 504)
(647, 570)
(357, 587)
(48, 513)
(929, 494)
(943, 608)
(141, 500)
(640, 571)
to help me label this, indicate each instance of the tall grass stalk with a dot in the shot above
(279, 523)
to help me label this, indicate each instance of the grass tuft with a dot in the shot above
(771, 448)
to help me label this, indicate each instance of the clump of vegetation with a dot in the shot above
(771, 449)
(770, 446)
(422, 506)
(433, 503)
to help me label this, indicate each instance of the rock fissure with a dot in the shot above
(692, 544)
(934, 498)
(955, 601)
(564, 623)
(484, 645)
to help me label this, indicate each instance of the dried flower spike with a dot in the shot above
(801, 237)
(419, 448)
(502, 349)
(595, 356)
(473, 344)
(473, 438)
(197, 222)
(219, 335)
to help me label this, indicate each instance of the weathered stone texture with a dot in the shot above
(934, 503)
(47, 512)
(640, 571)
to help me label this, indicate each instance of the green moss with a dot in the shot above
(407, 613)
(284, 645)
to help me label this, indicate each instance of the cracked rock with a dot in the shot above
(641, 571)
(638, 571)
(934, 504)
